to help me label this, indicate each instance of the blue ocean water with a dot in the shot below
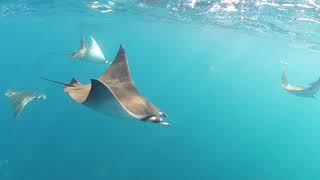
(212, 66)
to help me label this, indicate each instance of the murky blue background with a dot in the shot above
(212, 66)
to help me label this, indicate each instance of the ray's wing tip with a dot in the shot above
(8, 93)
(43, 97)
(15, 115)
(95, 83)
(121, 49)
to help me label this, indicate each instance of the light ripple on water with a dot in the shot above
(297, 20)
(294, 19)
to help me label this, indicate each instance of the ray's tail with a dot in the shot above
(72, 83)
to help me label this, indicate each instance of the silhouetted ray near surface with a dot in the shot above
(299, 90)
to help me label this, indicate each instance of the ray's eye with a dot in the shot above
(163, 114)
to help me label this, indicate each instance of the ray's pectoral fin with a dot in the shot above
(314, 87)
(118, 80)
(82, 51)
(17, 101)
(82, 43)
(101, 99)
(95, 50)
(316, 83)
(119, 69)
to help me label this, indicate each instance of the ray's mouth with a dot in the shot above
(158, 120)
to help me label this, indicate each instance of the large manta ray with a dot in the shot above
(20, 99)
(299, 90)
(114, 93)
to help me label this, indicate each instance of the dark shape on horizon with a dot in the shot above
(299, 90)
(114, 93)
(20, 99)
